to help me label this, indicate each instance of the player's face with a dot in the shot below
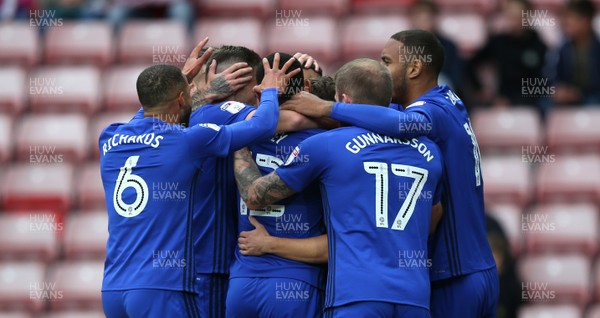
(246, 95)
(391, 58)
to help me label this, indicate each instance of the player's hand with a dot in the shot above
(194, 64)
(222, 85)
(307, 61)
(255, 242)
(309, 105)
(276, 77)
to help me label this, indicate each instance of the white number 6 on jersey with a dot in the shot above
(127, 179)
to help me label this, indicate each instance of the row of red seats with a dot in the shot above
(508, 131)
(328, 39)
(550, 227)
(46, 236)
(556, 227)
(264, 8)
(570, 279)
(32, 287)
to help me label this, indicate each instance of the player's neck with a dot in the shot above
(418, 90)
(164, 115)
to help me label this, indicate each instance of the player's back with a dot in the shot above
(459, 246)
(378, 194)
(148, 174)
(215, 209)
(300, 216)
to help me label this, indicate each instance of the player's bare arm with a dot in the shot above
(221, 85)
(255, 190)
(436, 215)
(258, 242)
(309, 105)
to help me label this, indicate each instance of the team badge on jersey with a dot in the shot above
(293, 156)
(232, 107)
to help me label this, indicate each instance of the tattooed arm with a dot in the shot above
(255, 190)
(218, 88)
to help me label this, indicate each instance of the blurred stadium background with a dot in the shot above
(68, 68)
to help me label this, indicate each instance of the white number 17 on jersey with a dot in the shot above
(380, 170)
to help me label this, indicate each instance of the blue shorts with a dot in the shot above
(212, 289)
(473, 295)
(273, 297)
(150, 303)
(376, 309)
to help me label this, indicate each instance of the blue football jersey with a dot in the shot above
(377, 194)
(215, 209)
(459, 245)
(149, 171)
(300, 216)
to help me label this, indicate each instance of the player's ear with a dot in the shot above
(346, 98)
(307, 85)
(181, 99)
(415, 68)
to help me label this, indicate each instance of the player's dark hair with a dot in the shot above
(366, 81)
(158, 84)
(296, 83)
(323, 87)
(426, 44)
(229, 54)
(582, 8)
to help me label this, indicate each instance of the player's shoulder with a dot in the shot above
(438, 97)
(220, 113)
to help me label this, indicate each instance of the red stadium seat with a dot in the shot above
(119, 88)
(382, 6)
(23, 287)
(6, 138)
(365, 36)
(454, 25)
(76, 42)
(29, 236)
(507, 179)
(86, 235)
(334, 7)
(75, 314)
(570, 178)
(15, 314)
(550, 311)
(70, 88)
(28, 187)
(226, 31)
(317, 38)
(509, 217)
(90, 192)
(574, 129)
(52, 138)
(163, 42)
(80, 282)
(260, 8)
(562, 227)
(557, 278)
(19, 43)
(13, 90)
(102, 121)
(483, 7)
(516, 130)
